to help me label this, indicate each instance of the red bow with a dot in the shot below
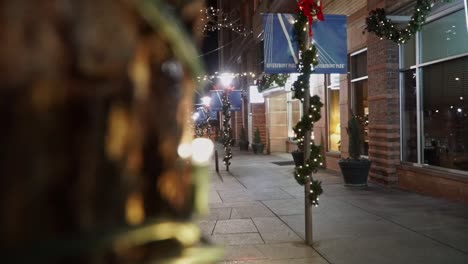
(312, 9)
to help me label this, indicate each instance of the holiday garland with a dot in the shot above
(203, 127)
(378, 23)
(226, 137)
(308, 59)
(268, 80)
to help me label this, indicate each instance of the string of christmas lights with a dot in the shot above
(308, 59)
(378, 22)
(215, 19)
(226, 137)
(202, 127)
(217, 75)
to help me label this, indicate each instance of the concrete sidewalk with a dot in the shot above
(257, 215)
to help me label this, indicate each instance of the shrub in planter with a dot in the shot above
(257, 144)
(355, 169)
(243, 142)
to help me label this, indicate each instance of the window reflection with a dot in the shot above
(444, 37)
(445, 122)
(361, 110)
(334, 129)
(409, 129)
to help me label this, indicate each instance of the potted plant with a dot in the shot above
(298, 155)
(243, 142)
(257, 144)
(355, 169)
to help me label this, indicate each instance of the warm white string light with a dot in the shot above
(215, 19)
(217, 75)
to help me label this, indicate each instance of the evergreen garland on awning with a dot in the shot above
(378, 23)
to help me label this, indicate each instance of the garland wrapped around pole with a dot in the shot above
(378, 23)
(226, 137)
(313, 158)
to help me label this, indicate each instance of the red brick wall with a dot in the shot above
(259, 120)
(436, 183)
(384, 115)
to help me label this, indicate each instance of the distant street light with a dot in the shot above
(195, 116)
(226, 79)
(206, 101)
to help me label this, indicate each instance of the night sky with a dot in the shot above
(210, 44)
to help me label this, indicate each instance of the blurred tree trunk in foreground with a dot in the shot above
(93, 104)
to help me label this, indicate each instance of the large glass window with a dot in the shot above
(434, 92)
(360, 104)
(409, 118)
(444, 37)
(359, 65)
(408, 57)
(334, 126)
(445, 130)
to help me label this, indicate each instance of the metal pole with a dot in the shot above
(307, 204)
(216, 161)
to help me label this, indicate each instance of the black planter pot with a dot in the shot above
(298, 157)
(243, 145)
(355, 172)
(257, 148)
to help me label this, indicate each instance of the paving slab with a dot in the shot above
(230, 196)
(250, 211)
(428, 219)
(287, 251)
(234, 226)
(316, 260)
(236, 204)
(214, 197)
(452, 236)
(237, 239)
(286, 207)
(206, 226)
(374, 224)
(219, 214)
(242, 252)
(389, 249)
(268, 194)
(273, 230)
(295, 191)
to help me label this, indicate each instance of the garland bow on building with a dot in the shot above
(308, 59)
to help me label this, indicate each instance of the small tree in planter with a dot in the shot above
(243, 142)
(298, 155)
(355, 169)
(257, 144)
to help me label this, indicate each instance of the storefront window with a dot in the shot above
(445, 130)
(439, 123)
(444, 37)
(360, 104)
(409, 118)
(334, 126)
(409, 54)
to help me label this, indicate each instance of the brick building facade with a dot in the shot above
(403, 141)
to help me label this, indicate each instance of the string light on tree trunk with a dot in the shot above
(226, 137)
